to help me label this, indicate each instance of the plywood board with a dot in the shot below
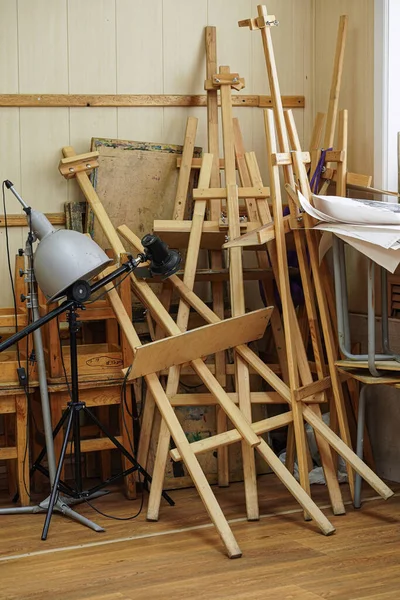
(200, 342)
(136, 182)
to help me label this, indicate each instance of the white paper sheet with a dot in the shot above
(372, 228)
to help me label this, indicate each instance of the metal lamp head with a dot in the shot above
(163, 261)
(63, 257)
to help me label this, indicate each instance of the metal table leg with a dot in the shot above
(360, 442)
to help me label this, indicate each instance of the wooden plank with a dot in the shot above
(20, 220)
(220, 193)
(142, 172)
(232, 436)
(176, 233)
(132, 100)
(203, 341)
(257, 237)
(203, 399)
(8, 453)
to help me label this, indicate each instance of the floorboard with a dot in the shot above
(181, 556)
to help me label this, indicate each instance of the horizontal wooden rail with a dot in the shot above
(20, 220)
(104, 100)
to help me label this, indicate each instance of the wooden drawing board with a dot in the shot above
(136, 182)
(182, 348)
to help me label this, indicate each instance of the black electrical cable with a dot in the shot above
(3, 190)
(26, 386)
(124, 405)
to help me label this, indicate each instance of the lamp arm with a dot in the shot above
(127, 267)
(36, 324)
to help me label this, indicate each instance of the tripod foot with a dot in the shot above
(62, 505)
(66, 510)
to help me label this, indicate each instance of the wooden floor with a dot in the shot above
(181, 556)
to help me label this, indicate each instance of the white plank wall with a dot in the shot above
(128, 46)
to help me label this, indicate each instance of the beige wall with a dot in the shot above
(156, 46)
(356, 96)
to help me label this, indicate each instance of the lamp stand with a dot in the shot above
(62, 502)
(56, 501)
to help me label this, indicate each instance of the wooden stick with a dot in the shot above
(149, 405)
(185, 170)
(342, 145)
(285, 295)
(336, 82)
(242, 379)
(325, 317)
(262, 257)
(326, 457)
(232, 436)
(153, 508)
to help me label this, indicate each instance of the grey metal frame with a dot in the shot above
(341, 295)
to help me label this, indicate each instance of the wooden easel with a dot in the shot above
(295, 342)
(184, 448)
(187, 451)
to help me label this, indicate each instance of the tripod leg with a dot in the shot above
(66, 510)
(54, 491)
(123, 451)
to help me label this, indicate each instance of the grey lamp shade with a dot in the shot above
(64, 257)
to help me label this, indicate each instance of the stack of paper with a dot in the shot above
(373, 228)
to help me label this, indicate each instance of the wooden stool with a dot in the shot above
(13, 400)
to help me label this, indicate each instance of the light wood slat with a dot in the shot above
(20, 220)
(126, 100)
(203, 341)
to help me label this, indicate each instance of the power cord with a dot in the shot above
(124, 406)
(25, 386)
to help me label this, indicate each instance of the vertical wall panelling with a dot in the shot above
(126, 46)
(92, 69)
(9, 135)
(292, 39)
(235, 50)
(184, 64)
(357, 92)
(43, 67)
(140, 66)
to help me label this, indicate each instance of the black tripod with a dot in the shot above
(77, 294)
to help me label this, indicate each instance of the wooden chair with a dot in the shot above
(15, 442)
(100, 378)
